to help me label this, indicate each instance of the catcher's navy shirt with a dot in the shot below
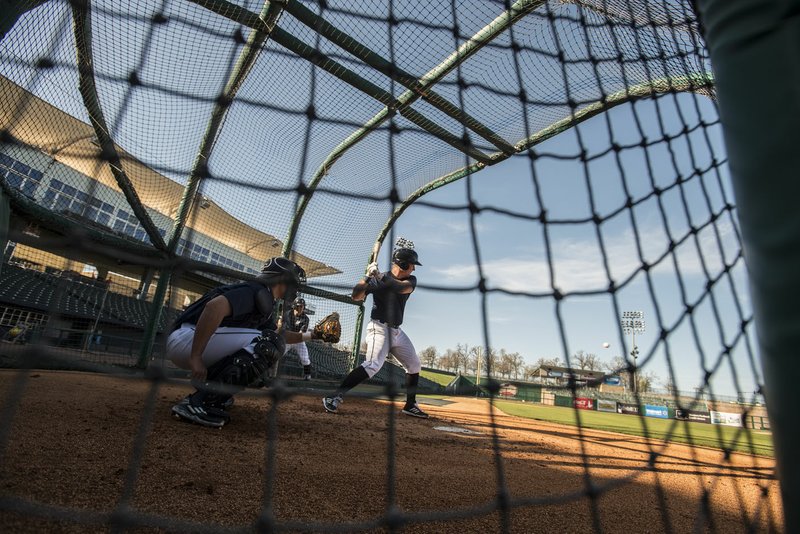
(251, 306)
(388, 304)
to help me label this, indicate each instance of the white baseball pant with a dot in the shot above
(224, 342)
(381, 340)
(302, 352)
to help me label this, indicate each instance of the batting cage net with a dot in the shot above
(584, 258)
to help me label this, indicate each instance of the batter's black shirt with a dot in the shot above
(251, 306)
(388, 304)
(297, 323)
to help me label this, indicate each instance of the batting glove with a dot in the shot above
(372, 270)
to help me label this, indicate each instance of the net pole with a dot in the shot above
(483, 37)
(13, 10)
(695, 82)
(258, 37)
(5, 217)
(750, 42)
(82, 22)
(357, 338)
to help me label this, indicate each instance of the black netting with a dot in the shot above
(154, 150)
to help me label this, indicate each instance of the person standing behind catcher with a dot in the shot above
(298, 322)
(390, 292)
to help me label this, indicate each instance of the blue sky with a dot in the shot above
(513, 253)
(261, 143)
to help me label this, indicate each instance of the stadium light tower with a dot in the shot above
(632, 323)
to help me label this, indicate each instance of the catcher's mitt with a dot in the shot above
(328, 329)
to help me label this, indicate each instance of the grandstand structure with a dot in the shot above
(69, 295)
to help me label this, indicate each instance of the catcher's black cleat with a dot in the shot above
(414, 411)
(224, 405)
(200, 415)
(331, 404)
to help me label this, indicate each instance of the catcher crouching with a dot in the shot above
(228, 339)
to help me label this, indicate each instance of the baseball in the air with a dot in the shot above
(606, 345)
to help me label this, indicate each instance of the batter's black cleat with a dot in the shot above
(331, 404)
(201, 415)
(414, 411)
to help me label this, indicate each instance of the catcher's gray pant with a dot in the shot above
(224, 342)
(381, 340)
(301, 350)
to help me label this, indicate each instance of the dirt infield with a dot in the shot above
(72, 438)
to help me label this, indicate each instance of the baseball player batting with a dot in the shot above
(390, 292)
(298, 322)
(227, 339)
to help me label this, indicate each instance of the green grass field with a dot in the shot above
(440, 378)
(704, 435)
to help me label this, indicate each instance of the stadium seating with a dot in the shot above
(69, 297)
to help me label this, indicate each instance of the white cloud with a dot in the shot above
(578, 263)
(442, 231)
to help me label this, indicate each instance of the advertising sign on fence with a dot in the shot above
(725, 418)
(612, 380)
(696, 416)
(630, 409)
(656, 411)
(606, 405)
(584, 404)
(508, 390)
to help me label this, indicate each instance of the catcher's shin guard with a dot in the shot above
(268, 350)
(226, 377)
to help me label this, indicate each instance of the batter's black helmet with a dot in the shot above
(280, 270)
(299, 301)
(405, 256)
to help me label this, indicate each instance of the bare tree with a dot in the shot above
(669, 385)
(449, 361)
(645, 381)
(517, 362)
(476, 359)
(530, 372)
(429, 356)
(504, 363)
(548, 362)
(586, 361)
(492, 357)
(462, 355)
(617, 365)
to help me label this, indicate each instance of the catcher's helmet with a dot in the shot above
(404, 256)
(299, 301)
(269, 347)
(281, 270)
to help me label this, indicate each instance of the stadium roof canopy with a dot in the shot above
(36, 123)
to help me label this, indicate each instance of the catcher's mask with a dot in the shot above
(282, 271)
(298, 302)
(404, 257)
